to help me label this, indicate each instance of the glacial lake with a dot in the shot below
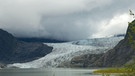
(47, 72)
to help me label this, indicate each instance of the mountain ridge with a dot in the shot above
(43, 40)
(123, 52)
(13, 50)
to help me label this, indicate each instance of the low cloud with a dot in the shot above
(65, 19)
(117, 25)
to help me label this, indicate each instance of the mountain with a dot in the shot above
(43, 40)
(122, 53)
(63, 53)
(120, 35)
(13, 50)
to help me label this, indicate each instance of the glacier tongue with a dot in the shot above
(64, 52)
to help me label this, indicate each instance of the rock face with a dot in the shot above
(121, 54)
(13, 50)
(85, 61)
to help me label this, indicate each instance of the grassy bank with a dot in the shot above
(116, 71)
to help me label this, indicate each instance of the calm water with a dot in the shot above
(47, 72)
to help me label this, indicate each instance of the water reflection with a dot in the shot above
(47, 72)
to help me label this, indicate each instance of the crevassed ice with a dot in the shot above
(64, 52)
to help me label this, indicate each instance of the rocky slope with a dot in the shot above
(13, 50)
(121, 54)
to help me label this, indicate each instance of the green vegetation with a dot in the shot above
(115, 71)
(127, 70)
(131, 34)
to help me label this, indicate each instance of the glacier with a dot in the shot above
(64, 52)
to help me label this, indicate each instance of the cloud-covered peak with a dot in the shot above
(64, 19)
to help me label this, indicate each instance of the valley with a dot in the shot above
(63, 53)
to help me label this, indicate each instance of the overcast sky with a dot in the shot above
(65, 19)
